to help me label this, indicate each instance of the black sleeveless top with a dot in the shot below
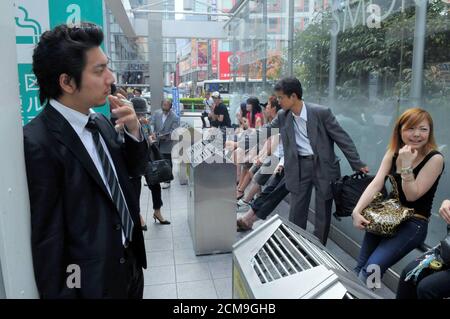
(422, 206)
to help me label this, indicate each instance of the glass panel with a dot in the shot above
(362, 67)
(436, 96)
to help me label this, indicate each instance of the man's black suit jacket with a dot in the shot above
(73, 218)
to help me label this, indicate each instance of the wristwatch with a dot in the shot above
(406, 170)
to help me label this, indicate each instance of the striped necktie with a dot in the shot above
(116, 192)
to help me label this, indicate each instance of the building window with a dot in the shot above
(274, 25)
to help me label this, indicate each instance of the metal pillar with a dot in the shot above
(333, 57)
(155, 59)
(16, 265)
(264, 60)
(416, 94)
(290, 62)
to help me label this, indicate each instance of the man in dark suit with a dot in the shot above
(86, 239)
(309, 132)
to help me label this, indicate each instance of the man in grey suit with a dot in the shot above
(163, 123)
(309, 132)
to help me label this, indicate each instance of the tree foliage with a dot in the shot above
(385, 53)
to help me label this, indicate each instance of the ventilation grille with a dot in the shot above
(287, 253)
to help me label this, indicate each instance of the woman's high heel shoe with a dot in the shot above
(161, 221)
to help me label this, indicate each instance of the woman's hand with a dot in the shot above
(445, 211)
(407, 155)
(257, 161)
(279, 169)
(359, 221)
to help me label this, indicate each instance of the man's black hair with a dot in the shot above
(289, 85)
(63, 50)
(244, 109)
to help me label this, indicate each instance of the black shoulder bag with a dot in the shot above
(158, 169)
(347, 190)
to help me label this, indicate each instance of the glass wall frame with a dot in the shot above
(366, 60)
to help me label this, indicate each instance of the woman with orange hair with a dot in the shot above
(413, 160)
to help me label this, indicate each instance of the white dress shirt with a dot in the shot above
(164, 117)
(78, 122)
(301, 133)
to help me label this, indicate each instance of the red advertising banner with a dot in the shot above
(214, 56)
(224, 70)
(202, 54)
(194, 54)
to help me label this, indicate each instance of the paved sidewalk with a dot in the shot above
(174, 271)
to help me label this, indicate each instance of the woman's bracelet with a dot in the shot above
(405, 179)
(406, 170)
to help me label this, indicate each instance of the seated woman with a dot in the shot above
(254, 119)
(430, 284)
(416, 165)
(241, 114)
(254, 113)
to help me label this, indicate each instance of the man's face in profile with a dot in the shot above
(286, 102)
(96, 79)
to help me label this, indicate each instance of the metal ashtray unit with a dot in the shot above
(279, 260)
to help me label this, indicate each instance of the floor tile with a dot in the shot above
(221, 269)
(159, 275)
(160, 244)
(187, 256)
(180, 243)
(224, 288)
(168, 291)
(160, 258)
(203, 289)
(192, 272)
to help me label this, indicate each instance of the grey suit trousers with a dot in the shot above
(299, 202)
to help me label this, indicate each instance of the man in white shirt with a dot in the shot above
(308, 132)
(208, 102)
(84, 213)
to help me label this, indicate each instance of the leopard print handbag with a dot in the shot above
(385, 215)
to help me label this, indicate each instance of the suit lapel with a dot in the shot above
(169, 118)
(311, 127)
(64, 133)
(290, 133)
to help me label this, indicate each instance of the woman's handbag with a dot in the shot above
(158, 169)
(347, 190)
(385, 215)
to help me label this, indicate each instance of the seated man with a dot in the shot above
(271, 196)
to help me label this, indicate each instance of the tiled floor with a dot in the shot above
(174, 271)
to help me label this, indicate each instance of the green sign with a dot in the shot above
(33, 17)
(72, 12)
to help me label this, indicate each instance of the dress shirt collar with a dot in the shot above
(76, 119)
(303, 114)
